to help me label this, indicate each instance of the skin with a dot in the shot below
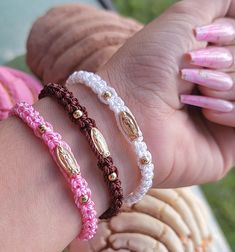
(220, 98)
(38, 210)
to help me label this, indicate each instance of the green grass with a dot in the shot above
(144, 11)
(19, 63)
(220, 195)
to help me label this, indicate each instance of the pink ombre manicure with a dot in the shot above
(216, 33)
(208, 78)
(214, 57)
(207, 102)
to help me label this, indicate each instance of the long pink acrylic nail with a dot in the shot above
(216, 33)
(208, 78)
(207, 102)
(214, 57)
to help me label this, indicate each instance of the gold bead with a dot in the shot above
(42, 128)
(145, 160)
(129, 125)
(84, 199)
(112, 176)
(66, 160)
(77, 114)
(99, 142)
(106, 95)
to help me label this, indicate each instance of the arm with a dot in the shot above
(37, 209)
(37, 206)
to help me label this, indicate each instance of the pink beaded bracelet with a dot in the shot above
(67, 164)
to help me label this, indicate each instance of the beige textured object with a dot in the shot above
(72, 37)
(165, 220)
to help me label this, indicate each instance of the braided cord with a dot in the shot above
(77, 183)
(86, 125)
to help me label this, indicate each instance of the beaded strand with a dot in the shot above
(127, 125)
(67, 164)
(78, 115)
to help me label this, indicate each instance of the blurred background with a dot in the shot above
(220, 195)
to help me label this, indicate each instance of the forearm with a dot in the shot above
(37, 208)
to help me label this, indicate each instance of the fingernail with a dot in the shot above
(215, 57)
(208, 78)
(207, 102)
(216, 33)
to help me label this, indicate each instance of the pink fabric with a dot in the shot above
(33, 84)
(16, 86)
(76, 182)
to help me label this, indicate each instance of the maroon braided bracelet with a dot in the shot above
(79, 115)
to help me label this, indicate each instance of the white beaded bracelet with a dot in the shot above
(128, 126)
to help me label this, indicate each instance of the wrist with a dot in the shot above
(117, 145)
(123, 156)
(40, 187)
(127, 125)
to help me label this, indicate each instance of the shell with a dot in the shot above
(164, 220)
(74, 37)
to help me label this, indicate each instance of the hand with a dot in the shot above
(216, 82)
(187, 148)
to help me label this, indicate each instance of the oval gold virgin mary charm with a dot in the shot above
(66, 160)
(129, 125)
(99, 142)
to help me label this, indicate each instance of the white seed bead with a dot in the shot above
(99, 88)
(148, 167)
(117, 101)
(140, 148)
(116, 104)
(147, 176)
(72, 78)
(147, 171)
(84, 75)
(116, 109)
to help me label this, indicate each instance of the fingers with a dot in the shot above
(217, 105)
(217, 88)
(216, 83)
(225, 119)
(217, 94)
(217, 98)
(221, 32)
(224, 93)
(210, 79)
(216, 110)
(213, 57)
